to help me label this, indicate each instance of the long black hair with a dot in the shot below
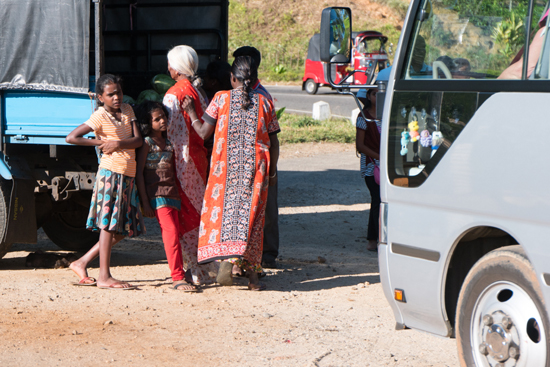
(144, 114)
(244, 68)
(104, 80)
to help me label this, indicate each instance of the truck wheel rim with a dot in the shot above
(507, 328)
(310, 86)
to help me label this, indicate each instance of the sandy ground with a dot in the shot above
(324, 305)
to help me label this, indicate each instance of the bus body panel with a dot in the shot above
(485, 179)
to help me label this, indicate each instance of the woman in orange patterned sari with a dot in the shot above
(244, 163)
(190, 157)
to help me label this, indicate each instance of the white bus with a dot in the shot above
(465, 218)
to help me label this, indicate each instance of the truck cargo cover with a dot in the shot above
(44, 45)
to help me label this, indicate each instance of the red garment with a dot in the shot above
(232, 218)
(168, 219)
(189, 153)
(191, 163)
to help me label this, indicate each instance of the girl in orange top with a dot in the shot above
(114, 210)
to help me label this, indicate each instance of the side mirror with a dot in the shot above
(336, 35)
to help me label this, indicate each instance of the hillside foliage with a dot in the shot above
(281, 29)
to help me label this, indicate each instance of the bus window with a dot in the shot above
(423, 127)
(463, 39)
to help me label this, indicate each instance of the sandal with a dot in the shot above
(184, 286)
(257, 287)
(86, 282)
(225, 274)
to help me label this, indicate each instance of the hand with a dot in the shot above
(272, 180)
(188, 104)
(148, 211)
(109, 147)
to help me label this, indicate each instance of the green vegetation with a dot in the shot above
(281, 32)
(282, 60)
(304, 129)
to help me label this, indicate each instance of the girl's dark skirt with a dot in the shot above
(115, 205)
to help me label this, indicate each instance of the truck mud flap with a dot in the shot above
(22, 217)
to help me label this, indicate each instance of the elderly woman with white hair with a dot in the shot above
(190, 158)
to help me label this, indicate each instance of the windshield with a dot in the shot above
(469, 39)
(371, 45)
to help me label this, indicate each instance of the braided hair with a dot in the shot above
(245, 70)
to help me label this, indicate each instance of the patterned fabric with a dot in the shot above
(232, 218)
(158, 158)
(191, 163)
(115, 205)
(367, 167)
(159, 173)
(162, 202)
(107, 127)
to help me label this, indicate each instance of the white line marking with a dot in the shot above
(324, 209)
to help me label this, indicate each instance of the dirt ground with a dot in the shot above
(324, 305)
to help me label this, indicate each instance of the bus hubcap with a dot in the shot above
(497, 340)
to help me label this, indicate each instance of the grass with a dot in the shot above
(304, 129)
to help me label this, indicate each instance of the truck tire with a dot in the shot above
(5, 192)
(68, 231)
(502, 317)
(311, 86)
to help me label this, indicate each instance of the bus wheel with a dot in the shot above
(501, 318)
(311, 86)
(68, 231)
(5, 192)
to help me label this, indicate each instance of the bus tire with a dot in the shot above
(69, 232)
(501, 314)
(5, 192)
(311, 87)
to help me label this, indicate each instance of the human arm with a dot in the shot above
(134, 142)
(274, 158)
(514, 71)
(361, 147)
(203, 129)
(76, 137)
(140, 180)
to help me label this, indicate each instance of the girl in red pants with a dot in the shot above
(157, 186)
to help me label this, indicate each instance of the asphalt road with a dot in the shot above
(298, 101)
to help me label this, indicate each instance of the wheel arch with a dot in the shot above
(471, 246)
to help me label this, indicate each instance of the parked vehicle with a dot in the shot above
(48, 65)
(465, 219)
(369, 56)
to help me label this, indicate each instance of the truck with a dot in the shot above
(465, 219)
(52, 52)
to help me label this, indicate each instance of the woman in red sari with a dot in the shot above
(190, 157)
(244, 163)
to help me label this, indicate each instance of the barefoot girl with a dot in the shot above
(114, 210)
(158, 190)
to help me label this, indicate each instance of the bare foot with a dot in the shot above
(372, 245)
(79, 269)
(254, 283)
(189, 277)
(113, 283)
(237, 271)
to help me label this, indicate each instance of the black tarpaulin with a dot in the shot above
(44, 45)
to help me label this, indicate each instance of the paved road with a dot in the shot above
(298, 101)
